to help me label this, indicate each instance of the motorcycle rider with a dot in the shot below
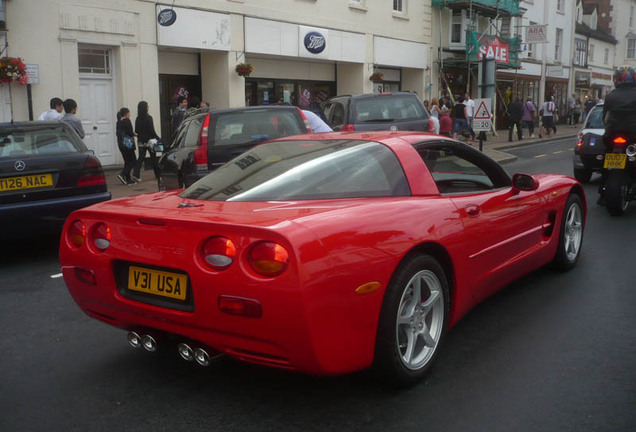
(619, 111)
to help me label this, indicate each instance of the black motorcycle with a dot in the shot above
(619, 173)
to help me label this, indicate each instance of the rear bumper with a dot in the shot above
(32, 215)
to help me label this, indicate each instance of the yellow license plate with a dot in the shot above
(157, 282)
(615, 160)
(26, 182)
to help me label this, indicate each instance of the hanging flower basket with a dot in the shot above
(13, 69)
(376, 77)
(244, 69)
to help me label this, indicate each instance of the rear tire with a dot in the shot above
(412, 321)
(616, 192)
(571, 234)
(583, 174)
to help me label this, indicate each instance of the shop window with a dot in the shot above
(94, 61)
(631, 48)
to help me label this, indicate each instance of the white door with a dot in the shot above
(97, 112)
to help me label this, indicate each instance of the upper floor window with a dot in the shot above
(631, 16)
(591, 56)
(558, 45)
(459, 25)
(560, 5)
(530, 47)
(398, 6)
(580, 52)
(631, 48)
(606, 57)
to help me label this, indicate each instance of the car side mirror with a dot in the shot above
(524, 182)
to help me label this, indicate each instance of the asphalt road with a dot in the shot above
(551, 352)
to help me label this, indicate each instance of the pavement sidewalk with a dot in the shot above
(494, 147)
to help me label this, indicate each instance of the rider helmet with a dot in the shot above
(625, 76)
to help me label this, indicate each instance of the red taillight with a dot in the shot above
(620, 141)
(76, 233)
(431, 125)
(240, 306)
(580, 142)
(92, 174)
(348, 128)
(85, 275)
(201, 153)
(307, 124)
(101, 237)
(219, 253)
(268, 259)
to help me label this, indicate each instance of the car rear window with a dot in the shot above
(595, 119)
(305, 170)
(387, 108)
(255, 126)
(33, 142)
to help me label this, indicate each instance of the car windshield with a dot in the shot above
(33, 142)
(387, 109)
(595, 119)
(305, 170)
(256, 125)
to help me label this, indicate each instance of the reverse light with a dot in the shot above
(240, 306)
(76, 233)
(268, 259)
(349, 128)
(101, 237)
(201, 153)
(219, 253)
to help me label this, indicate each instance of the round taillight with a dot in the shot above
(77, 233)
(219, 253)
(101, 237)
(268, 259)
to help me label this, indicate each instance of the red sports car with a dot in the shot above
(325, 254)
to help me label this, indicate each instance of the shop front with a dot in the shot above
(602, 84)
(510, 86)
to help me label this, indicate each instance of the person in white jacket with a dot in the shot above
(55, 113)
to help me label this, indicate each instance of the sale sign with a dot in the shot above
(493, 49)
(482, 46)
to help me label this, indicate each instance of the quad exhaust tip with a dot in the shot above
(146, 341)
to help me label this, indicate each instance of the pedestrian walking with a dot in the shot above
(145, 130)
(445, 122)
(470, 111)
(70, 109)
(578, 107)
(515, 113)
(528, 116)
(548, 111)
(55, 113)
(126, 143)
(461, 120)
(434, 108)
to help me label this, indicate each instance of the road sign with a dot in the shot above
(482, 120)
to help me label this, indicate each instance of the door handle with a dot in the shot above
(94, 127)
(473, 210)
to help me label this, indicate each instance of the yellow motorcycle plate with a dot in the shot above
(615, 161)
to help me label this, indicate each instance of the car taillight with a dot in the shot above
(219, 253)
(307, 124)
(268, 259)
(431, 126)
(580, 142)
(348, 128)
(101, 237)
(201, 153)
(92, 173)
(85, 275)
(76, 233)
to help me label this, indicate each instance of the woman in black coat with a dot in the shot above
(145, 129)
(126, 144)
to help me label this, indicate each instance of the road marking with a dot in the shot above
(55, 276)
(540, 156)
(557, 152)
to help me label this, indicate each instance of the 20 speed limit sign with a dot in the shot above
(482, 125)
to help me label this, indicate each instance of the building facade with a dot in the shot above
(111, 54)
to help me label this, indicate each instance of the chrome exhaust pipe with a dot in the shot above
(202, 357)
(185, 351)
(149, 343)
(134, 340)
(631, 150)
